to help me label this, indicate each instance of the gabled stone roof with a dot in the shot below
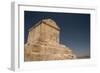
(49, 22)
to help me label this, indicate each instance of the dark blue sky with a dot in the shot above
(75, 29)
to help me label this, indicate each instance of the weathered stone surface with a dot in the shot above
(44, 44)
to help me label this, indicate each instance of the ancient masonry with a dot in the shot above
(44, 44)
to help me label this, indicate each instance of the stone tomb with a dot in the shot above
(44, 43)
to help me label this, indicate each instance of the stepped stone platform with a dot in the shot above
(43, 43)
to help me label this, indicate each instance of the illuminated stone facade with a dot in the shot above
(44, 43)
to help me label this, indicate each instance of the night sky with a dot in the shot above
(75, 29)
